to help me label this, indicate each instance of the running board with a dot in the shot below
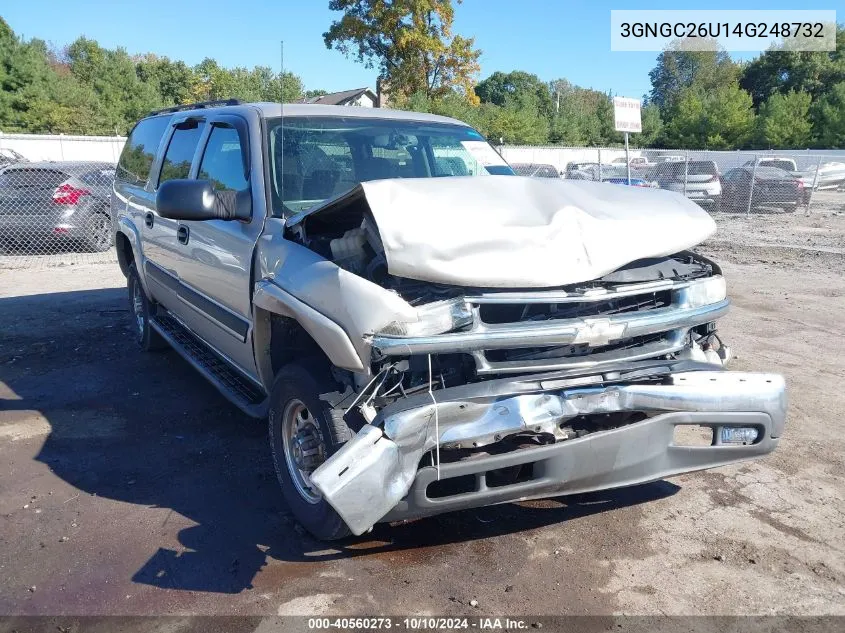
(237, 388)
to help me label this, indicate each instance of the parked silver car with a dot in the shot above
(698, 180)
(44, 204)
(422, 342)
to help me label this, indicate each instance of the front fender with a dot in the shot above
(331, 338)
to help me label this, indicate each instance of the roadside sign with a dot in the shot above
(626, 115)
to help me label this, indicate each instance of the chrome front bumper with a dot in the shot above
(376, 476)
(672, 322)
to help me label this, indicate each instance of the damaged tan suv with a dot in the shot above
(424, 330)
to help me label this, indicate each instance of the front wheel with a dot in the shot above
(304, 432)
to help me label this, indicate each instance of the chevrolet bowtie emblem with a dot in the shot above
(598, 332)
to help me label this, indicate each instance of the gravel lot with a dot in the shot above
(129, 486)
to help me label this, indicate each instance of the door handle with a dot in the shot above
(148, 220)
(182, 234)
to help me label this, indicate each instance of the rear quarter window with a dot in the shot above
(138, 154)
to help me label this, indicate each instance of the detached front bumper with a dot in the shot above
(376, 476)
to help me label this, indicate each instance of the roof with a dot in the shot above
(272, 110)
(340, 98)
(70, 166)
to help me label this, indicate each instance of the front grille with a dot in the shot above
(520, 331)
(514, 313)
(568, 351)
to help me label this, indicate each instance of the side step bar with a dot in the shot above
(237, 388)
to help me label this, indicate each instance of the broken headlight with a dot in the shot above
(703, 292)
(434, 318)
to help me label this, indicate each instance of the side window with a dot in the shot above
(138, 154)
(222, 161)
(451, 158)
(180, 152)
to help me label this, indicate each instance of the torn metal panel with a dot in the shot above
(373, 472)
(358, 306)
(515, 232)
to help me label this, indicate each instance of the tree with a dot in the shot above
(829, 113)
(409, 41)
(678, 70)
(172, 80)
(501, 87)
(513, 124)
(719, 119)
(310, 94)
(782, 70)
(652, 126)
(784, 120)
(88, 89)
(122, 98)
(582, 116)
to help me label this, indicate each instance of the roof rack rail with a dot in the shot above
(196, 106)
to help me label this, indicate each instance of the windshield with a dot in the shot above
(316, 158)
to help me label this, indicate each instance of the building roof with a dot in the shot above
(340, 98)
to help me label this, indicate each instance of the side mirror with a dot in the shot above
(196, 200)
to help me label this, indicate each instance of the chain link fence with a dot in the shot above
(722, 182)
(56, 213)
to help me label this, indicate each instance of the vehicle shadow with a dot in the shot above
(146, 429)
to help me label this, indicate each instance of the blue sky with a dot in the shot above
(551, 38)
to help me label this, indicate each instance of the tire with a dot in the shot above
(99, 236)
(140, 310)
(717, 204)
(296, 386)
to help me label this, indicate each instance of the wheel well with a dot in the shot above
(125, 257)
(289, 341)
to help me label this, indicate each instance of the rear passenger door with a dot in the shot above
(162, 249)
(133, 200)
(214, 257)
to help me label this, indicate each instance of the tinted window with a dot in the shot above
(31, 179)
(771, 173)
(98, 178)
(786, 165)
(180, 152)
(139, 151)
(222, 162)
(702, 168)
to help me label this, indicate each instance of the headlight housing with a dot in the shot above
(434, 318)
(703, 292)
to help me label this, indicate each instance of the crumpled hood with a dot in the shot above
(516, 232)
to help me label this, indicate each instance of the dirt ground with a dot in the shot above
(129, 486)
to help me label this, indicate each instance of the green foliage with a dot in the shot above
(87, 89)
(784, 121)
(781, 71)
(830, 117)
(652, 126)
(722, 118)
(410, 42)
(516, 87)
(699, 99)
(677, 71)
